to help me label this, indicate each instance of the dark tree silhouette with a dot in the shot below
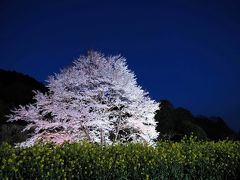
(16, 89)
(174, 123)
(215, 127)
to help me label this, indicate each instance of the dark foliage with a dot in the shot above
(215, 127)
(174, 123)
(15, 89)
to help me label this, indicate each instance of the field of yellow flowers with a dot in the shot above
(188, 159)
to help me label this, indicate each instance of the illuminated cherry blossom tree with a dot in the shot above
(96, 99)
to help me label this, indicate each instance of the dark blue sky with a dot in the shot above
(184, 51)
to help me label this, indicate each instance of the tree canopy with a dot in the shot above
(96, 99)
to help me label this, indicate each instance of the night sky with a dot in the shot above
(185, 51)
